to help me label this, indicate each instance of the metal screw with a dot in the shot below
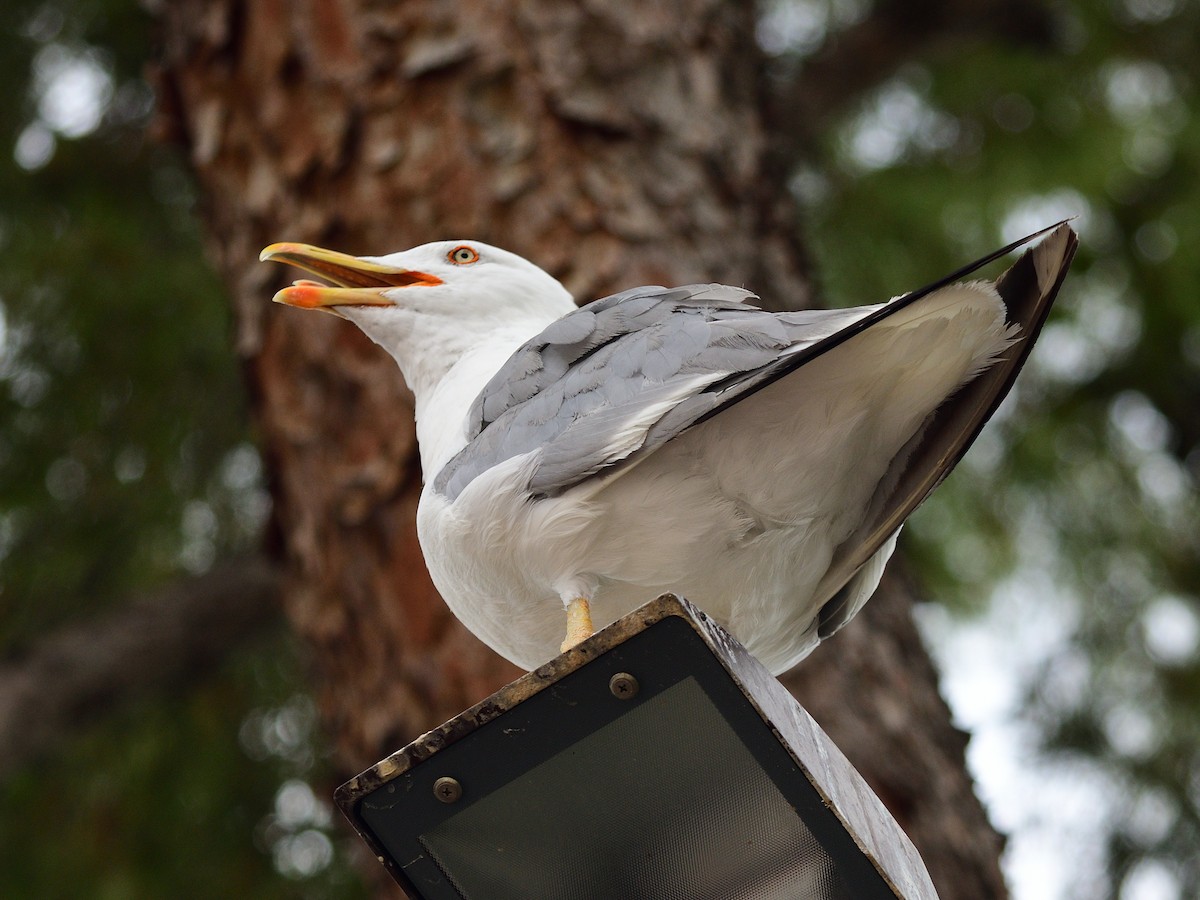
(623, 686)
(447, 789)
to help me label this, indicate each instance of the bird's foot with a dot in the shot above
(579, 623)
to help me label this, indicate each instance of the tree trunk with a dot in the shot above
(614, 143)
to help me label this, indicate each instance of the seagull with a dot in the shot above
(580, 461)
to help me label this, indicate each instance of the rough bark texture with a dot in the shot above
(615, 143)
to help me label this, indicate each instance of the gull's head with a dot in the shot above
(467, 283)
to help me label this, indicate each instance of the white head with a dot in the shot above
(429, 305)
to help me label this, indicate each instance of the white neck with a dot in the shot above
(441, 410)
(447, 355)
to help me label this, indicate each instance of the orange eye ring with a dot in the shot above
(463, 255)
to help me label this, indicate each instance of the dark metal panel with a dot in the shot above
(578, 786)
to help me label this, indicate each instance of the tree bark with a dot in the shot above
(614, 143)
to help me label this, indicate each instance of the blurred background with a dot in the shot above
(1064, 554)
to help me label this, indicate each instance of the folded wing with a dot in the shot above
(621, 377)
(1027, 290)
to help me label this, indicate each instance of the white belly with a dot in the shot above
(506, 574)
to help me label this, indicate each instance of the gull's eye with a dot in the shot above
(462, 255)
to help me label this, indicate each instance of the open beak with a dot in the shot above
(356, 282)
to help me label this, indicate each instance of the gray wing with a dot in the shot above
(620, 377)
(623, 375)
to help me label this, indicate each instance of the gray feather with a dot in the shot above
(573, 391)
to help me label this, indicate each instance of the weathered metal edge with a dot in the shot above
(512, 694)
(842, 789)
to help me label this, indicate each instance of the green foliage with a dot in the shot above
(163, 800)
(120, 399)
(125, 461)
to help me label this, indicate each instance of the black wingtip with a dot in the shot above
(1040, 271)
(1030, 285)
(1060, 233)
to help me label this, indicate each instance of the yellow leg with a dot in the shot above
(579, 622)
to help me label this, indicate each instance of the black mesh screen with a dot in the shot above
(654, 835)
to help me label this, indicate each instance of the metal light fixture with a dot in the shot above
(656, 760)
